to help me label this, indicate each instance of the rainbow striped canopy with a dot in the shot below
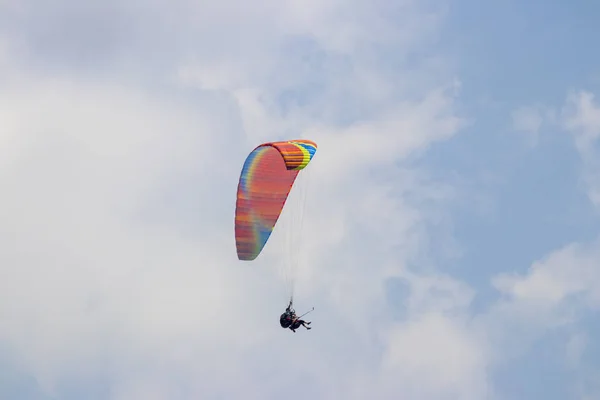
(265, 183)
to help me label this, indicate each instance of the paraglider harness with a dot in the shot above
(288, 317)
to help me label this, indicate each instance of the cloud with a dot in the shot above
(124, 130)
(553, 298)
(557, 293)
(436, 356)
(568, 274)
(581, 118)
(121, 152)
(530, 119)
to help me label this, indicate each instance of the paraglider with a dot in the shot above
(266, 180)
(290, 320)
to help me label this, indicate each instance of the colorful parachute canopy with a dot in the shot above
(265, 183)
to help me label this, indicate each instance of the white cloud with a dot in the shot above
(562, 274)
(436, 356)
(531, 119)
(118, 256)
(581, 117)
(557, 291)
(552, 295)
(568, 274)
(528, 120)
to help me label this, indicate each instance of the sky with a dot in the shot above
(450, 243)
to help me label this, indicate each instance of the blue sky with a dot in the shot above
(451, 240)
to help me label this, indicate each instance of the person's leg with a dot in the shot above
(304, 324)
